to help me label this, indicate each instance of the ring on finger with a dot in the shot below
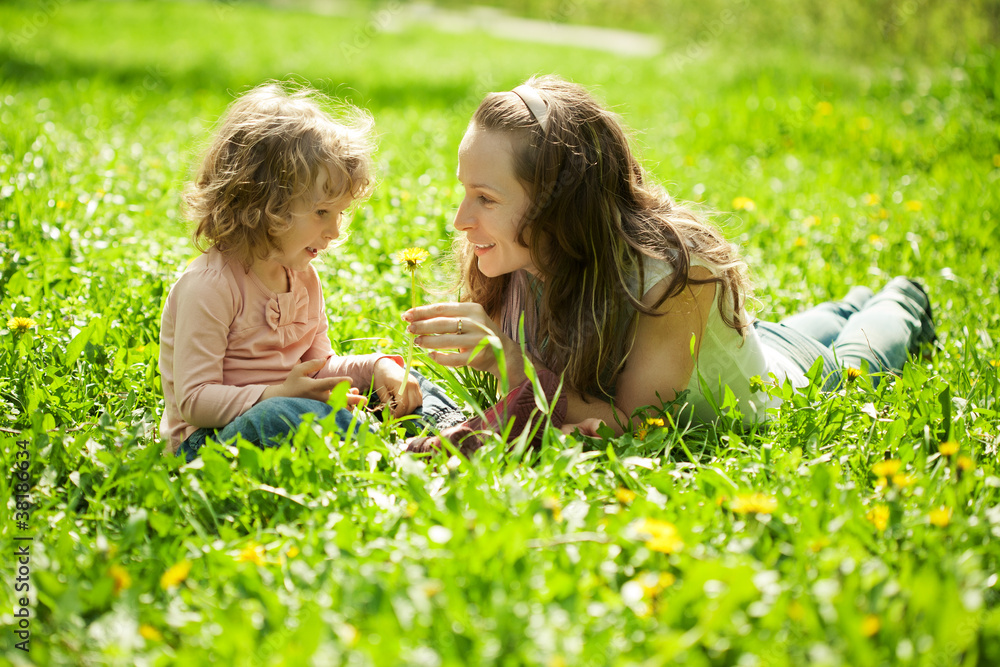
(460, 326)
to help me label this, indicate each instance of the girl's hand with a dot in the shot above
(387, 380)
(462, 326)
(301, 384)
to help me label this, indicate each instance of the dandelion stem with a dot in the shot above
(411, 345)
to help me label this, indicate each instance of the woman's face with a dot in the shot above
(494, 202)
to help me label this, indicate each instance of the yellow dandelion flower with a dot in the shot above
(800, 242)
(875, 239)
(663, 536)
(556, 661)
(883, 213)
(552, 504)
(412, 257)
(995, 363)
(965, 463)
(20, 323)
(252, 553)
(881, 483)
(625, 496)
(641, 432)
(824, 109)
(879, 515)
(753, 503)
(175, 574)
(654, 583)
(870, 625)
(902, 480)
(149, 632)
(913, 205)
(743, 204)
(940, 517)
(61, 204)
(819, 544)
(292, 552)
(887, 468)
(949, 448)
(121, 578)
(870, 199)
(810, 221)
(853, 374)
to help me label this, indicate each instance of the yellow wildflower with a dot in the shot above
(20, 323)
(552, 504)
(649, 424)
(853, 374)
(292, 552)
(810, 221)
(625, 496)
(743, 204)
(175, 574)
(663, 536)
(949, 448)
(879, 515)
(753, 503)
(252, 553)
(902, 480)
(870, 199)
(913, 205)
(940, 517)
(875, 239)
(149, 632)
(800, 242)
(887, 468)
(965, 463)
(870, 625)
(412, 257)
(824, 109)
(121, 578)
(819, 544)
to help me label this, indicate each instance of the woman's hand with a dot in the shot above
(301, 384)
(461, 327)
(387, 380)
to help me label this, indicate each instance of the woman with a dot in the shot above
(628, 296)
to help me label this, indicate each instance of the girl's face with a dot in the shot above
(315, 223)
(494, 202)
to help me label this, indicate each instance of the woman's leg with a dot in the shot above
(894, 323)
(266, 424)
(825, 321)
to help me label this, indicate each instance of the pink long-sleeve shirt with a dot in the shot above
(225, 337)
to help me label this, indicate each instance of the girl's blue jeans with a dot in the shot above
(268, 423)
(863, 329)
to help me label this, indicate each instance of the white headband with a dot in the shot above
(536, 105)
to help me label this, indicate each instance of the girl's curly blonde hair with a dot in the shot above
(267, 151)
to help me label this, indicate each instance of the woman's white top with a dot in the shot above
(728, 359)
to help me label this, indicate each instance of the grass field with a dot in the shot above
(859, 528)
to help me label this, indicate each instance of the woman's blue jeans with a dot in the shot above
(269, 422)
(862, 329)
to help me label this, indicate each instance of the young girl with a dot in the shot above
(626, 294)
(243, 341)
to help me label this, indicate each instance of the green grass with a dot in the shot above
(350, 553)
